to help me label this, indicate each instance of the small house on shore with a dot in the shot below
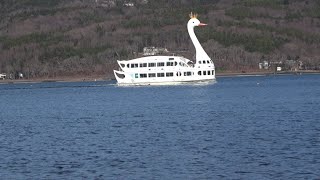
(264, 65)
(3, 76)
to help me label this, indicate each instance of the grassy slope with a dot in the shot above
(66, 38)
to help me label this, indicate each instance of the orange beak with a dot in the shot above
(202, 24)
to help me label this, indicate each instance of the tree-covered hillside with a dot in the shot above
(53, 38)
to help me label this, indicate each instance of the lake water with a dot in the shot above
(264, 127)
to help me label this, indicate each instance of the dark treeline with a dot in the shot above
(48, 39)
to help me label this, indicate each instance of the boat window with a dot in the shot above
(152, 74)
(134, 65)
(187, 73)
(160, 74)
(136, 75)
(143, 75)
(169, 74)
(121, 76)
(199, 62)
(160, 64)
(209, 72)
(171, 58)
(178, 73)
(203, 61)
(152, 64)
(184, 64)
(208, 62)
(204, 73)
(169, 63)
(199, 73)
(175, 63)
(128, 65)
(212, 72)
(143, 64)
(123, 65)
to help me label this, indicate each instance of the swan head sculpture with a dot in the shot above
(193, 22)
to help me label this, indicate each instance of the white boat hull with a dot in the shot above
(168, 83)
(133, 78)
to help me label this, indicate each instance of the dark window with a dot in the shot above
(175, 63)
(199, 73)
(136, 75)
(143, 64)
(208, 61)
(160, 64)
(152, 64)
(199, 62)
(160, 74)
(143, 75)
(169, 63)
(212, 72)
(169, 74)
(204, 73)
(171, 58)
(178, 73)
(128, 65)
(187, 73)
(203, 61)
(152, 74)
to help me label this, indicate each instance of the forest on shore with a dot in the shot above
(79, 38)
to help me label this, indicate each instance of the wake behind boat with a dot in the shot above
(165, 70)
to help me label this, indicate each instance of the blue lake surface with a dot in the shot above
(264, 127)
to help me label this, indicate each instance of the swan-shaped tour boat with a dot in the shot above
(165, 70)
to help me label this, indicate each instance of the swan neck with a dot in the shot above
(200, 53)
(194, 38)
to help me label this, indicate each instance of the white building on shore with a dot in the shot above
(3, 76)
(151, 51)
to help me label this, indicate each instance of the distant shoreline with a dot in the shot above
(108, 78)
(59, 79)
(266, 73)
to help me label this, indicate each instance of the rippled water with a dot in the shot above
(238, 128)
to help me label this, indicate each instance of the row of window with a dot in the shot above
(204, 73)
(170, 74)
(167, 74)
(204, 62)
(159, 64)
